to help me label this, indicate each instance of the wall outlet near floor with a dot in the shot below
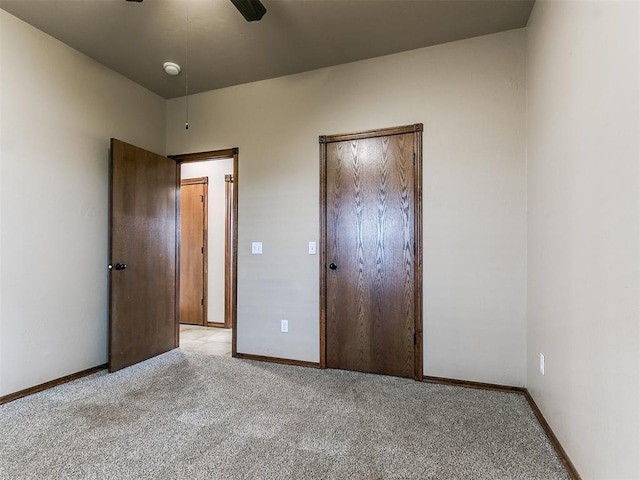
(542, 364)
(256, 248)
(284, 326)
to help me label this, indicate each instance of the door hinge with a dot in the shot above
(202, 196)
(202, 250)
(202, 301)
(415, 339)
(414, 159)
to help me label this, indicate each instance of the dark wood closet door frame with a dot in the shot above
(231, 263)
(416, 129)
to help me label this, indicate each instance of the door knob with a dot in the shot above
(333, 266)
(120, 266)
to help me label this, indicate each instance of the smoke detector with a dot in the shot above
(171, 68)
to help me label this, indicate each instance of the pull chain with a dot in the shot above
(186, 65)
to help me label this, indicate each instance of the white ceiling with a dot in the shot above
(294, 36)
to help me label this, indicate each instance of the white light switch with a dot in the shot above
(256, 248)
(312, 248)
(284, 326)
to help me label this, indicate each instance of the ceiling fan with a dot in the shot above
(251, 10)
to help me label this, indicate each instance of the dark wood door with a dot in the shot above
(370, 258)
(142, 283)
(193, 246)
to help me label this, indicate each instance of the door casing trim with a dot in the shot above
(417, 130)
(217, 155)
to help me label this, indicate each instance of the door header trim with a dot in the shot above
(194, 181)
(381, 132)
(201, 156)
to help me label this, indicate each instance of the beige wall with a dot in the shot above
(583, 224)
(58, 111)
(470, 95)
(215, 171)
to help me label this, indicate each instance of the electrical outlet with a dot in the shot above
(256, 248)
(284, 326)
(542, 364)
(312, 248)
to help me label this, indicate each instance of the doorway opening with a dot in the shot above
(206, 312)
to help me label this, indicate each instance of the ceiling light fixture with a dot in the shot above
(171, 68)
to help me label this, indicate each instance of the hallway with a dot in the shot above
(207, 340)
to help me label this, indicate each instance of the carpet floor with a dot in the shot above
(193, 416)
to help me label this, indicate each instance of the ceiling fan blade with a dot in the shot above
(251, 10)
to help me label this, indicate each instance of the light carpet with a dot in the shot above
(192, 416)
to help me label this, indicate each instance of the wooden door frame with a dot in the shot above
(232, 153)
(228, 252)
(205, 240)
(416, 129)
(229, 275)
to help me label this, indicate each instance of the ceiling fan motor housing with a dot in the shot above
(251, 10)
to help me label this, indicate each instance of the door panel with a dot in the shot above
(142, 296)
(193, 202)
(370, 234)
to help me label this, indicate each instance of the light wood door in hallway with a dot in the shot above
(193, 251)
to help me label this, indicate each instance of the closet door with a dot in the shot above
(370, 261)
